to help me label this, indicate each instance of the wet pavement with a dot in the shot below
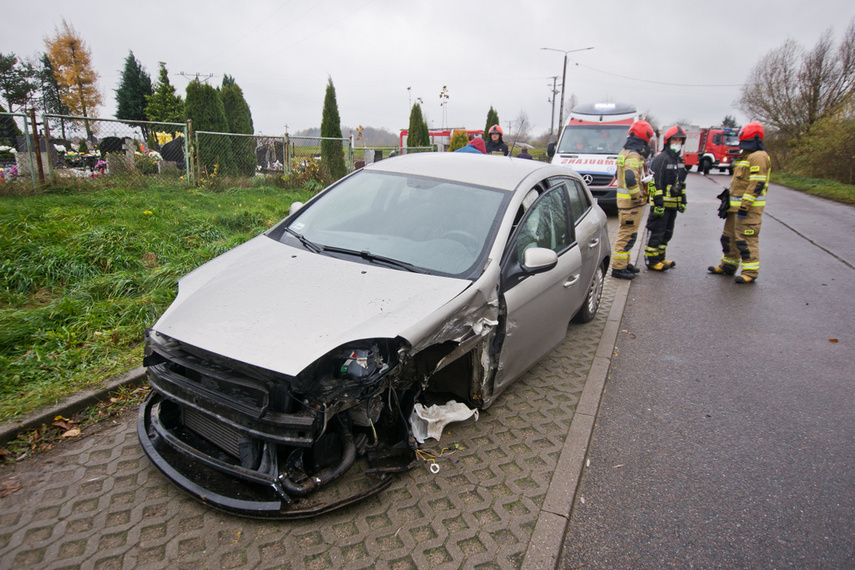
(504, 502)
(724, 438)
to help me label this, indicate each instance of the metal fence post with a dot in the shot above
(30, 152)
(48, 146)
(286, 168)
(189, 175)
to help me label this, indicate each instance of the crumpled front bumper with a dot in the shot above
(208, 476)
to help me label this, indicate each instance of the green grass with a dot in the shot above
(829, 189)
(83, 273)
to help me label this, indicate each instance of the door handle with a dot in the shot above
(594, 243)
(571, 280)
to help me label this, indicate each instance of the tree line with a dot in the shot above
(806, 100)
(61, 81)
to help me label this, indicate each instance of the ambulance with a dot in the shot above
(590, 142)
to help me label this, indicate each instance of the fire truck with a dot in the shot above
(714, 147)
(590, 143)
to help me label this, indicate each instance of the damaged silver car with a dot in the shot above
(285, 372)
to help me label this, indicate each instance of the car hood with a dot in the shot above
(281, 308)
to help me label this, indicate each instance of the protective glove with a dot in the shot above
(647, 179)
(682, 208)
(741, 212)
(658, 201)
(658, 211)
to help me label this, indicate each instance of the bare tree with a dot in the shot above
(520, 127)
(790, 89)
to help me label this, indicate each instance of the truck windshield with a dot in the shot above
(731, 139)
(593, 139)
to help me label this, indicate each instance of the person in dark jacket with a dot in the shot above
(667, 197)
(524, 154)
(495, 144)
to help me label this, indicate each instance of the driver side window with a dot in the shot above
(546, 224)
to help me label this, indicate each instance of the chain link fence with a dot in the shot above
(18, 165)
(132, 153)
(125, 152)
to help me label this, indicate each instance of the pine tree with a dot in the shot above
(492, 119)
(418, 134)
(205, 108)
(16, 82)
(332, 153)
(78, 82)
(131, 96)
(163, 104)
(51, 101)
(239, 120)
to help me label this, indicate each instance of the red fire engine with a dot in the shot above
(714, 147)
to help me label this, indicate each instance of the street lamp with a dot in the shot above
(564, 80)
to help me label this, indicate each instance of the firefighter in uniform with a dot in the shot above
(631, 195)
(667, 197)
(740, 239)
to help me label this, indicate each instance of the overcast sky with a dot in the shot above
(672, 59)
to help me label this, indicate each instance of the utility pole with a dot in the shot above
(552, 100)
(564, 80)
(188, 76)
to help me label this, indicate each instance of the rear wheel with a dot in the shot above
(592, 300)
(704, 166)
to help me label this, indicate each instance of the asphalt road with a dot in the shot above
(725, 433)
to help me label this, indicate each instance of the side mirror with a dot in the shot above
(550, 149)
(295, 207)
(539, 259)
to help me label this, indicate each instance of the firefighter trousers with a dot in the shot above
(659, 232)
(740, 242)
(629, 220)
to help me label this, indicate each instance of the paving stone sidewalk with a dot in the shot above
(99, 503)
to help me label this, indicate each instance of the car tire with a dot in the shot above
(592, 300)
(705, 167)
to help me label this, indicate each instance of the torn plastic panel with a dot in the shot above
(276, 439)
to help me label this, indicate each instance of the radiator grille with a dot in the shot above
(220, 434)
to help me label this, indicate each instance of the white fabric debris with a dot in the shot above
(430, 421)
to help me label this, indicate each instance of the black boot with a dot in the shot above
(633, 268)
(623, 274)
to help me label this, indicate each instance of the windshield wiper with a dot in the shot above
(308, 244)
(374, 258)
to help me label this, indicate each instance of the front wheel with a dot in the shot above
(588, 310)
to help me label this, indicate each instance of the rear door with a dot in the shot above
(538, 307)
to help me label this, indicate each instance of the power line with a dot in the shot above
(655, 82)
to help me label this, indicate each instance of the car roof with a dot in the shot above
(493, 171)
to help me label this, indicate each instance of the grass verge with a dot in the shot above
(84, 272)
(844, 193)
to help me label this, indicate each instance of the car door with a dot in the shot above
(588, 223)
(539, 306)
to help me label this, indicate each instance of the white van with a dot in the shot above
(590, 143)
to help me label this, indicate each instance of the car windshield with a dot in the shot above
(731, 139)
(433, 225)
(593, 139)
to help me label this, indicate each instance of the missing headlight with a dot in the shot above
(361, 363)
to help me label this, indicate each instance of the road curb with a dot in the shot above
(547, 541)
(71, 405)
